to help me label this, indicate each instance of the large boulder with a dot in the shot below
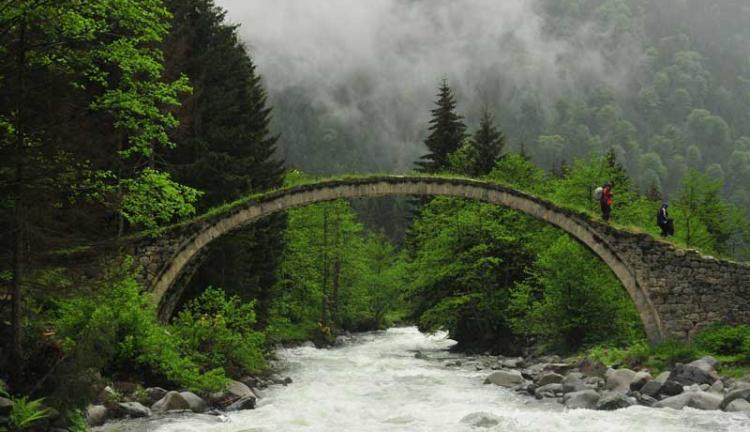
(96, 415)
(742, 393)
(171, 401)
(738, 405)
(195, 402)
(549, 378)
(619, 379)
(133, 409)
(613, 401)
(584, 399)
(698, 372)
(693, 399)
(505, 378)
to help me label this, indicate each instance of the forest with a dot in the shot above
(121, 117)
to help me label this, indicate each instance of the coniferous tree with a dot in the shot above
(226, 147)
(489, 144)
(447, 131)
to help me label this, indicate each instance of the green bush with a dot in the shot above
(216, 331)
(115, 329)
(725, 340)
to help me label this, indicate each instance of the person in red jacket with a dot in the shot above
(606, 200)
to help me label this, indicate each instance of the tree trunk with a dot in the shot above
(19, 216)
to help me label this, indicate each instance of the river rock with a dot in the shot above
(573, 382)
(171, 401)
(548, 391)
(734, 395)
(651, 388)
(96, 415)
(717, 387)
(619, 379)
(640, 379)
(481, 420)
(512, 363)
(195, 402)
(699, 400)
(584, 399)
(549, 378)
(155, 393)
(505, 378)
(671, 388)
(244, 403)
(697, 372)
(591, 367)
(738, 405)
(646, 400)
(239, 390)
(6, 405)
(613, 401)
(133, 409)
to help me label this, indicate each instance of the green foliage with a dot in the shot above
(574, 300)
(154, 199)
(218, 332)
(26, 413)
(115, 328)
(76, 420)
(725, 340)
(334, 276)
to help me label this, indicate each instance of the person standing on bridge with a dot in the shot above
(665, 223)
(606, 200)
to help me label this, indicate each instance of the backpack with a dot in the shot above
(598, 192)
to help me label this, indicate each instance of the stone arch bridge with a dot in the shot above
(675, 291)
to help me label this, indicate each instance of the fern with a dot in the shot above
(26, 412)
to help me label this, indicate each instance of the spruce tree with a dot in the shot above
(447, 132)
(489, 144)
(226, 148)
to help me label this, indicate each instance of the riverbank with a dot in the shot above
(375, 383)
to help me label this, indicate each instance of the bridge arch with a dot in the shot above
(181, 244)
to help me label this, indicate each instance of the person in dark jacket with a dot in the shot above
(606, 200)
(665, 223)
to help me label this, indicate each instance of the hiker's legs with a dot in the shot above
(606, 210)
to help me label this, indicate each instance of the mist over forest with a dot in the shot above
(665, 83)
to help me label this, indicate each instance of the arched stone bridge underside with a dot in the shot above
(676, 292)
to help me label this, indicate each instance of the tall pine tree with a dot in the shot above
(447, 132)
(489, 142)
(226, 147)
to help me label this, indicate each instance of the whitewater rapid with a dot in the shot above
(374, 383)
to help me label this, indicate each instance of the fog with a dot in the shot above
(377, 64)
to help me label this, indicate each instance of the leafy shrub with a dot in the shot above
(217, 331)
(26, 413)
(115, 329)
(725, 340)
(76, 421)
(669, 353)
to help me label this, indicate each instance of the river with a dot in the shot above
(375, 383)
